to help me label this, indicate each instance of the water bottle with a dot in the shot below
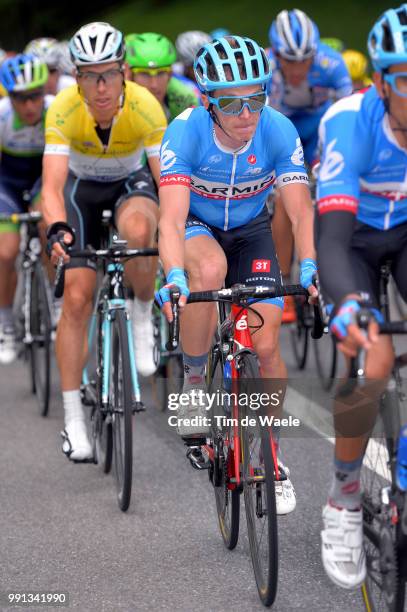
(401, 467)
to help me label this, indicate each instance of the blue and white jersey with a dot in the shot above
(363, 168)
(327, 79)
(21, 146)
(229, 188)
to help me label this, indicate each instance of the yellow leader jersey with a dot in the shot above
(137, 129)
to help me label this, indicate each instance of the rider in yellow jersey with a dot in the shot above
(102, 151)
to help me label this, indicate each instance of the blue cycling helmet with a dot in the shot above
(293, 35)
(387, 42)
(23, 72)
(219, 33)
(233, 61)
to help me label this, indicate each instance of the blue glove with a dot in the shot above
(345, 316)
(175, 277)
(308, 268)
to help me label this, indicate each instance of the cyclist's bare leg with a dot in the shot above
(266, 340)
(206, 266)
(282, 235)
(358, 413)
(137, 221)
(71, 341)
(9, 244)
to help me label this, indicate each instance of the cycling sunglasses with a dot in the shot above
(24, 97)
(398, 82)
(233, 105)
(152, 71)
(107, 77)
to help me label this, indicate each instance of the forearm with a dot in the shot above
(335, 269)
(52, 206)
(171, 244)
(303, 231)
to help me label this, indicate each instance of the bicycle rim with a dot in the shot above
(325, 360)
(384, 588)
(259, 496)
(101, 422)
(121, 400)
(299, 338)
(40, 349)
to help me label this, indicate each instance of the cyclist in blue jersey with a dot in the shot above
(21, 144)
(218, 164)
(187, 45)
(362, 222)
(307, 77)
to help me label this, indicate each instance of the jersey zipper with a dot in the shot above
(232, 183)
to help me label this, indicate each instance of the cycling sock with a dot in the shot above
(6, 316)
(194, 369)
(72, 406)
(345, 488)
(141, 307)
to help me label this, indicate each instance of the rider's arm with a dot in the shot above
(54, 174)
(154, 165)
(297, 202)
(174, 207)
(153, 124)
(338, 196)
(341, 81)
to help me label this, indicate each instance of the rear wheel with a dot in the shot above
(121, 391)
(40, 347)
(259, 491)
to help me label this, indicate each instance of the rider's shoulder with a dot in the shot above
(67, 100)
(327, 59)
(362, 106)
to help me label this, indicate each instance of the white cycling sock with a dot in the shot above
(141, 307)
(6, 316)
(72, 406)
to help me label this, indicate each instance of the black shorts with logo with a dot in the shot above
(249, 250)
(86, 200)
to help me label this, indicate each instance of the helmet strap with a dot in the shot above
(215, 119)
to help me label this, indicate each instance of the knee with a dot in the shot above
(268, 351)
(207, 274)
(77, 304)
(9, 245)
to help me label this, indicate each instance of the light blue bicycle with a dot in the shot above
(111, 386)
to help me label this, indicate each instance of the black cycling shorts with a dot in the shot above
(249, 250)
(85, 202)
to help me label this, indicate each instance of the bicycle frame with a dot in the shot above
(241, 343)
(110, 298)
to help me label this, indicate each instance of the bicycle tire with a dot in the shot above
(121, 400)
(260, 498)
(299, 335)
(384, 587)
(227, 496)
(326, 368)
(40, 347)
(101, 422)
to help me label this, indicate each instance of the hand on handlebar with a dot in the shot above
(175, 278)
(345, 326)
(60, 235)
(308, 270)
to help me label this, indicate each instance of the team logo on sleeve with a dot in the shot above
(297, 157)
(168, 157)
(333, 162)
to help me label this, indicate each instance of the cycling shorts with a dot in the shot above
(249, 250)
(16, 197)
(370, 249)
(85, 202)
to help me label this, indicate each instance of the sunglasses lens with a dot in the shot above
(234, 106)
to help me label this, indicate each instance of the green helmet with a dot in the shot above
(149, 50)
(335, 43)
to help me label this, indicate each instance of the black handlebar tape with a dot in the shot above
(173, 340)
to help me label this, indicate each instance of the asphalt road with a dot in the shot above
(62, 531)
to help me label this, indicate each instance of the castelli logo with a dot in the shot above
(252, 159)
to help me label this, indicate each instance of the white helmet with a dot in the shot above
(46, 49)
(188, 45)
(65, 64)
(293, 35)
(96, 43)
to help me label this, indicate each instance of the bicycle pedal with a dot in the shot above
(191, 441)
(197, 458)
(138, 407)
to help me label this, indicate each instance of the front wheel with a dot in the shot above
(40, 347)
(259, 490)
(121, 392)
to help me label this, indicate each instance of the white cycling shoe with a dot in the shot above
(8, 345)
(76, 445)
(343, 556)
(194, 418)
(285, 494)
(143, 334)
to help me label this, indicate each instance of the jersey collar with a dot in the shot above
(227, 149)
(388, 132)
